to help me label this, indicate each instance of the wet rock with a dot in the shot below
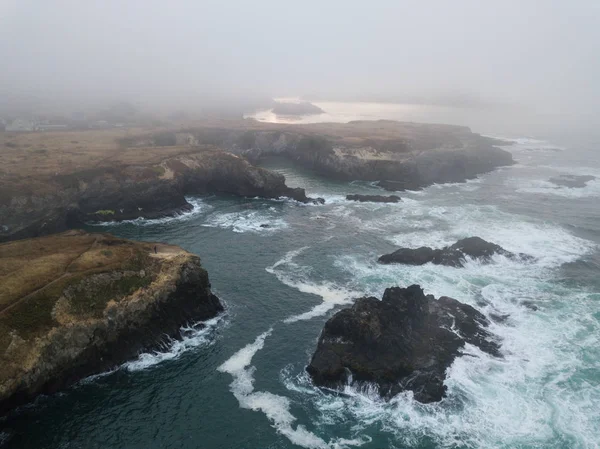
(406, 341)
(453, 255)
(374, 198)
(572, 181)
(530, 305)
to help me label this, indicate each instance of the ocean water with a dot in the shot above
(239, 380)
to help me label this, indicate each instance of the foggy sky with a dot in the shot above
(542, 55)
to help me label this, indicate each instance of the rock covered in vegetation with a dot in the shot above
(453, 256)
(406, 341)
(75, 304)
(374, 198)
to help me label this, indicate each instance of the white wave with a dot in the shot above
(545, 187)
(517, 401)
(246, 221)
(530, 144)
(296, 276)
(198, 208)
(549, 244)
(276, 408)
(192, 336)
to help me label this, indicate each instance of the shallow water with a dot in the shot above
(240, 381)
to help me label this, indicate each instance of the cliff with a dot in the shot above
(50, 184)
(75, 304)
(400, 155)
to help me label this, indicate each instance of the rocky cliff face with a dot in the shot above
(137, 183)
(76, 304)
(405, 341)
(400, 155)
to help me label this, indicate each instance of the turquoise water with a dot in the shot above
(239, 382)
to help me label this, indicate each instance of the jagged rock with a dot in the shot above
(406, 341)
(84, 303)
(453, 255)
(374, 198)
(402, 156)
(573, 181)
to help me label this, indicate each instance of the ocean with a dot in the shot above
(238, 381)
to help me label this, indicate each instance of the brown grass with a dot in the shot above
(34, 273)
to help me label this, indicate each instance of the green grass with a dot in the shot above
(92, 303)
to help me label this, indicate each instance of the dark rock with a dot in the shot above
(403, 342)
(499, 318)
(374, 198)
(419, 256)
(572, 181)
(530, 305)
(299, 195)
(453, 255)
(265, 225)
(301, 108)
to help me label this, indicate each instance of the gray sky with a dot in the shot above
(543, 55)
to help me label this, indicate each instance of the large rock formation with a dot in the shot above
(400, 155)
(406, 341)
(75, 304)
(132, 183)
(51, 182)
(453, 255)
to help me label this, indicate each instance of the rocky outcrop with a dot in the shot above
(75, 304)
(400, 155)
(298, 108)
(136, 183)
(572, 181)
(453, 256)
(406, 341)
(374, 198)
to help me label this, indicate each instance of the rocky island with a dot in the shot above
(405, 341)
(75, 304)
(296, 108)
(453, 255)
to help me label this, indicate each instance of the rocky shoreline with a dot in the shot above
(103, 301)
(405, 341)
(123, 190)
(149, 175)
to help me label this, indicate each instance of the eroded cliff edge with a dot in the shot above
(75, 304)
(400, 155)
(60, 190)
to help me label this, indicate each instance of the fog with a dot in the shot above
(540, 58)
